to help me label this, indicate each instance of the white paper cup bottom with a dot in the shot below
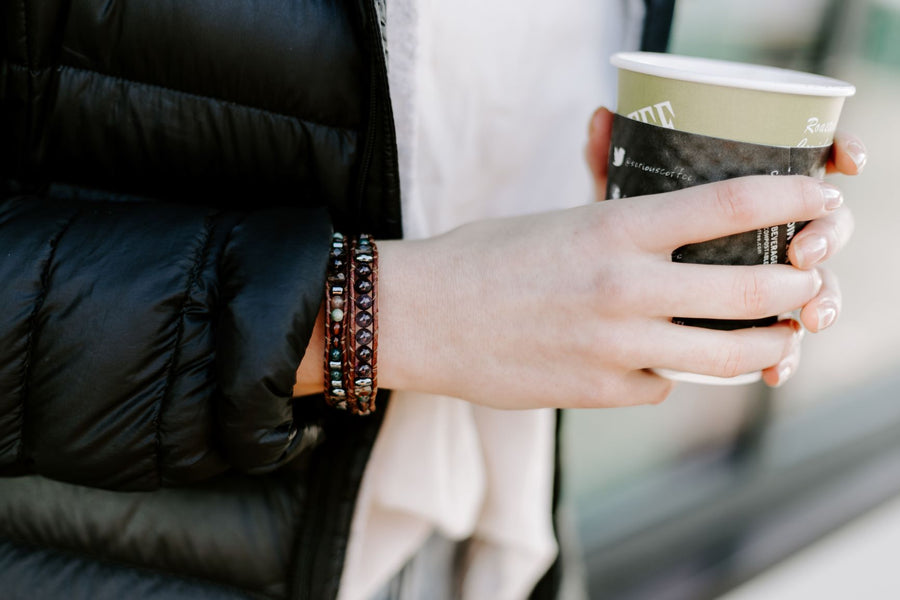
(745, 379)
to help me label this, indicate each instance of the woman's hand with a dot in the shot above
(817, 242)
(571, 308)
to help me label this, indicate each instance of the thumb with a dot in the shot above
(597, 149)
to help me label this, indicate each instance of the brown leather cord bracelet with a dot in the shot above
(351, 324)
(363, 325)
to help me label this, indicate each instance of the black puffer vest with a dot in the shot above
(170, 173)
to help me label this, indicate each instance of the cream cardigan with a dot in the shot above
(491, 101)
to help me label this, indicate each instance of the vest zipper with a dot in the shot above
(335, 486)
(377, 73)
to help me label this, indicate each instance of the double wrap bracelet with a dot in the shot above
(351, 324)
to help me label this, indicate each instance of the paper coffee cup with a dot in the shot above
(684, 121)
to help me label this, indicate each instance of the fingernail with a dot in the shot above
(799, 331)
(857, 153)
(810, 249)
(785, 370)
(594, 123)
(826, 315)
(832, 195)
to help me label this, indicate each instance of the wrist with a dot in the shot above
(309, 374)
(408, 315)
(406, 288)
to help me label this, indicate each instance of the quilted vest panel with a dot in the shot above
(230, 102)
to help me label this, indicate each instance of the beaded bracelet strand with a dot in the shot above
(336, 298)
(362, 342)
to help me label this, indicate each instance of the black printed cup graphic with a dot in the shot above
(646, 159)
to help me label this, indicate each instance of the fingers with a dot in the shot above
(848, 155)
(668, 221)
(779, 374)
(818, 314)
(722, 292)
(821, 238)
(822, 311)
(597, 149)
(645, 387)
(723, 353)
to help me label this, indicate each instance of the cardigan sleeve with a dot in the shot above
(145, 344)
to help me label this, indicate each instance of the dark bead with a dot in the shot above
(364, 370)
(363, 286)
(334, 355)
(336, 375)
(364, 337)
(364, 302)
(338, 277)
(363, 270)
(364, 319)
(364, 353)
(336, 341)
(336, 329)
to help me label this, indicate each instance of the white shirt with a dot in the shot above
(491, 101)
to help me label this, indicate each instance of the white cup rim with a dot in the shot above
(731, 74)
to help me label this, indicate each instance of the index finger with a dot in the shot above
(714, 210)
